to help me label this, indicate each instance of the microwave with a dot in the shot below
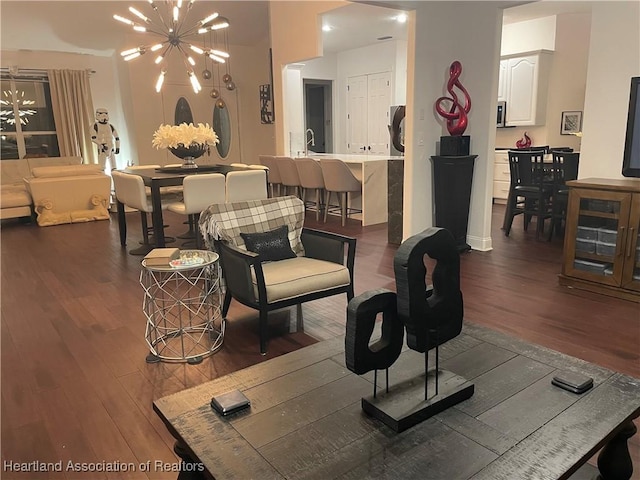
(501, 114)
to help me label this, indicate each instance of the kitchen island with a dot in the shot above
(371, 170)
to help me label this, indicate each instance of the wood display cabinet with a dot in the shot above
(601, 244)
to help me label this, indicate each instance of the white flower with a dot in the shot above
(173, 136)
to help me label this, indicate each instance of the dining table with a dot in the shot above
(155, 178)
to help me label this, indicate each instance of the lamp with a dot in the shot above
(176, 35)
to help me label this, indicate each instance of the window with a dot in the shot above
(26, 117)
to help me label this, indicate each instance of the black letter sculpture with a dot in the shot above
(431, 316)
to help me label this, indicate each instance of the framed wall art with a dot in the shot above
(571, 123)
(266, 104)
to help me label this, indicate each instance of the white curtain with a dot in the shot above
(73, 113)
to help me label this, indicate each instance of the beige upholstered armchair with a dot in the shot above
(269, 261)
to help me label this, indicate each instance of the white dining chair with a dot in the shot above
(200, 191)
(246, 185)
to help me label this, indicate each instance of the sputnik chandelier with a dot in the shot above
(7, 102)
(177, 35)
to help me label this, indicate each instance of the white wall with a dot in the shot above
(538, 34)
(432, 48)
(614, 57)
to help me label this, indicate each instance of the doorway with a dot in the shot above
(318, 114)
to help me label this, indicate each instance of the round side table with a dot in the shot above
(182, 306)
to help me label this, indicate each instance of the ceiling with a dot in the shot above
(88, 27)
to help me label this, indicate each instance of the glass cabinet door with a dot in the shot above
(597, 231)
(631, 273)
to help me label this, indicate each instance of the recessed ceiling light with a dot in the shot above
(326, 28)
(402, 18)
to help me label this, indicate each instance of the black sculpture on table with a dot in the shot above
(431, 315)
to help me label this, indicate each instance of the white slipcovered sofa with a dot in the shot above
(57, 189)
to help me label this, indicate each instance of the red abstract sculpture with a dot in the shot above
(456, 116)
(524, 142)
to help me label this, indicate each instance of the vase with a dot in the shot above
(189, 154)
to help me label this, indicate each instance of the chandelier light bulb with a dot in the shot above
(194, 82)
(123, 20)
(124, 53)
(156, 47)
(139, 28)
(206, 20)
(179, 3)
(158, 59)
(214, 93)
(176, 14)
(220, 53)
(226, 78)
(216, 58)
(160, 81)
(138, 14)
(206, 74)
(135, 54)
(196, 49)
(231, 85)
(191, 61)
(222, 23)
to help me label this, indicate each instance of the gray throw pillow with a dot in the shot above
(271, 246)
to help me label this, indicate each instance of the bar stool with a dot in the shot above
(289, 175)
(200, 191)
(311, 177)
(275, 180)
(338, 178)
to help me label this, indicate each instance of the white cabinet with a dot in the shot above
(523, 84)
(368, 103)
(501, 177)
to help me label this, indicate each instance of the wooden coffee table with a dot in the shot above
(305, 419)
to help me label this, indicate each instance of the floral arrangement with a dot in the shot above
(184, 135)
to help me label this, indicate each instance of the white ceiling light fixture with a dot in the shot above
(402, 18)
(176, 35)
(326, 28)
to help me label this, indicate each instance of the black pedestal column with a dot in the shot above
(452, 178)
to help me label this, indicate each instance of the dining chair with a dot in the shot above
(130, 191)
(246, 185)
(167, 194)
(565, 168)
(339, 179)
(200, 191)
(275, 180)
(529, 192)
(289, 176)
(311, 177)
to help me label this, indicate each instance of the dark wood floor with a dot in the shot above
(75, 385)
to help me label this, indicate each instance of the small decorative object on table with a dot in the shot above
(524, 142)
(456, 116)
(185, 141)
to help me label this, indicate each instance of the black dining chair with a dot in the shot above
(529, 192)
(565, 168)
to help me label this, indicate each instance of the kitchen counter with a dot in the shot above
(371, 170)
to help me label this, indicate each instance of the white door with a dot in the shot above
(368, 102)
(379, 101)
(357, 114)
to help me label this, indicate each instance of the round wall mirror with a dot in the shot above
(183, 112)
(222, 127)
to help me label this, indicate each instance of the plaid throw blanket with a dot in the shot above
(226, 221)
